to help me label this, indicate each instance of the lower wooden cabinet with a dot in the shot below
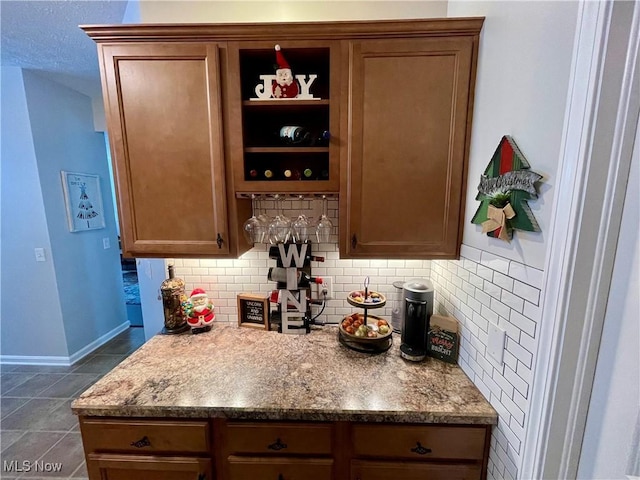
(146, 467)
(281, 468)
(221, 449)
(364, 470)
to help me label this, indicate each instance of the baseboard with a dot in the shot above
(61, 360)
(99, 342)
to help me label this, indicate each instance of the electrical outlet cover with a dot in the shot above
(495, 344)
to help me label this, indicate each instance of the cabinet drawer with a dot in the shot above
(283, 438)
(145, 436)
(146, 467)
(419, 442)
(413, 471)
(282, 468)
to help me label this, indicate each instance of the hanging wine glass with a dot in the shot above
(280, 226)
(324, 226)
(253, 228)
(264, 220)
(300, 227)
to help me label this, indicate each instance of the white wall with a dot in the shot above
(152, 11)
(609, 447)
(521, 90)
(88, 276)
(31, 312)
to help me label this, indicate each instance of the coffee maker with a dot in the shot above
(418, 308)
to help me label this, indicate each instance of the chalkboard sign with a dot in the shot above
(253, 310)
(443, 338)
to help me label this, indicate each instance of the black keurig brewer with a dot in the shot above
(418, 308)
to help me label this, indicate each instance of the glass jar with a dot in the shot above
(172, 290)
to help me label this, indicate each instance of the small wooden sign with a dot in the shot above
(253, 310)
(443, 339)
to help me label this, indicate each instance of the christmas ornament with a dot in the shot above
(284, 86)
(199, 310)
(505, 187)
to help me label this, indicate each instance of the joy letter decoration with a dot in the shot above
(505, 187)
(284, 85)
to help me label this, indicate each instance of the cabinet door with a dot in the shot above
(128, 467)
(409, 111)
(413, 471)
(266, 468)
(162, 103)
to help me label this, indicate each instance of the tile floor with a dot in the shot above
(37, 423)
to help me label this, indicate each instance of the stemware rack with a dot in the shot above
(290, 196)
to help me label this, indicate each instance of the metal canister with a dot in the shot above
(172, 290)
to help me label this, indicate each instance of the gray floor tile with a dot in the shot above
(98, 363)
(42, 368)
(37, 414)
(7, 368)
(67, 453)
(10, 405)
(8, 437)
(12, 380)
(35, 385)
(31, 446)
(70, 386)
(81, 471)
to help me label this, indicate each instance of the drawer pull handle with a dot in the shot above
(143, 442)
(420, 450)
(277, 445)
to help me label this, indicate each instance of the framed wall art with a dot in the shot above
(83, 201)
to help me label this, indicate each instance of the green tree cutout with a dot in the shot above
(507, 182)
(86, 208)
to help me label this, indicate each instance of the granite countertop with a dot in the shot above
(252, 374)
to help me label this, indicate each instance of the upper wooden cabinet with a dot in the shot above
(407, 124)
(191, 137)
(164, 117)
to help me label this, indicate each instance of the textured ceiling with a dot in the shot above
(44, 36)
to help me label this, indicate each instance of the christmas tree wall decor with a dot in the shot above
(86, 208)
(505, 187)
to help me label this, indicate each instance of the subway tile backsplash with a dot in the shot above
(483, 288)
(225, 279)
(477, 289)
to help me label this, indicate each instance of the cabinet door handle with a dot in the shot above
(277, 445)
(202, 476)
(280, 477)
(420, 450)
(219, 241)
(143, 442)
(354, 241)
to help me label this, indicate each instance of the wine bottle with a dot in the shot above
(268, 174)
(297, 135)
(292, 174)
(278, 274)
(308, 173)
(274, 252)
(253, 173)
(322, 138)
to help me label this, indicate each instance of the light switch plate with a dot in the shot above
(105, 243)
(495, 344)
(40, 255)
